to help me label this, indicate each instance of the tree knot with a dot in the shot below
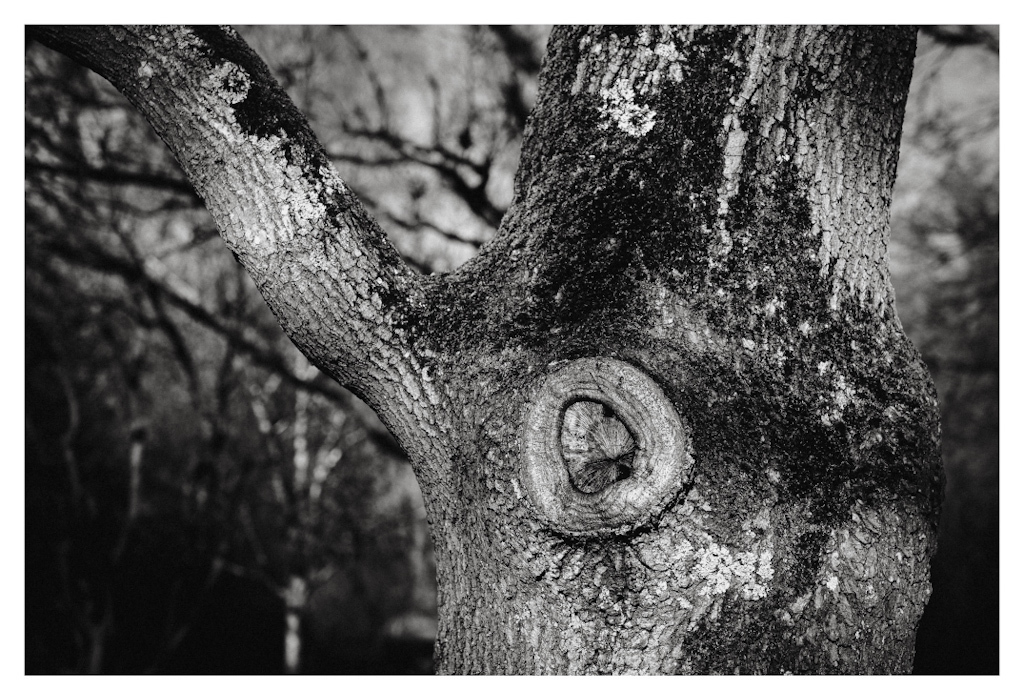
(604, 451)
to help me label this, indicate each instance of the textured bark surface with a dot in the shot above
(707, 206)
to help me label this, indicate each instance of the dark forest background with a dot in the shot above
(199, 499)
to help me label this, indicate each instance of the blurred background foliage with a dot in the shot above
(200, 499)
(944, 257)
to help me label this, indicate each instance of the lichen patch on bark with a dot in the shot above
(641, 63)
(620, 108)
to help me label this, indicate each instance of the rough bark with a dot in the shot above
(692, 275)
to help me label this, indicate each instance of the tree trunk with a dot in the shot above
(667, 421)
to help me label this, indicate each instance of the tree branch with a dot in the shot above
(339, 290)
(449, 165)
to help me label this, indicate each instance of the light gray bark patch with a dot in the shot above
(266, 110)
